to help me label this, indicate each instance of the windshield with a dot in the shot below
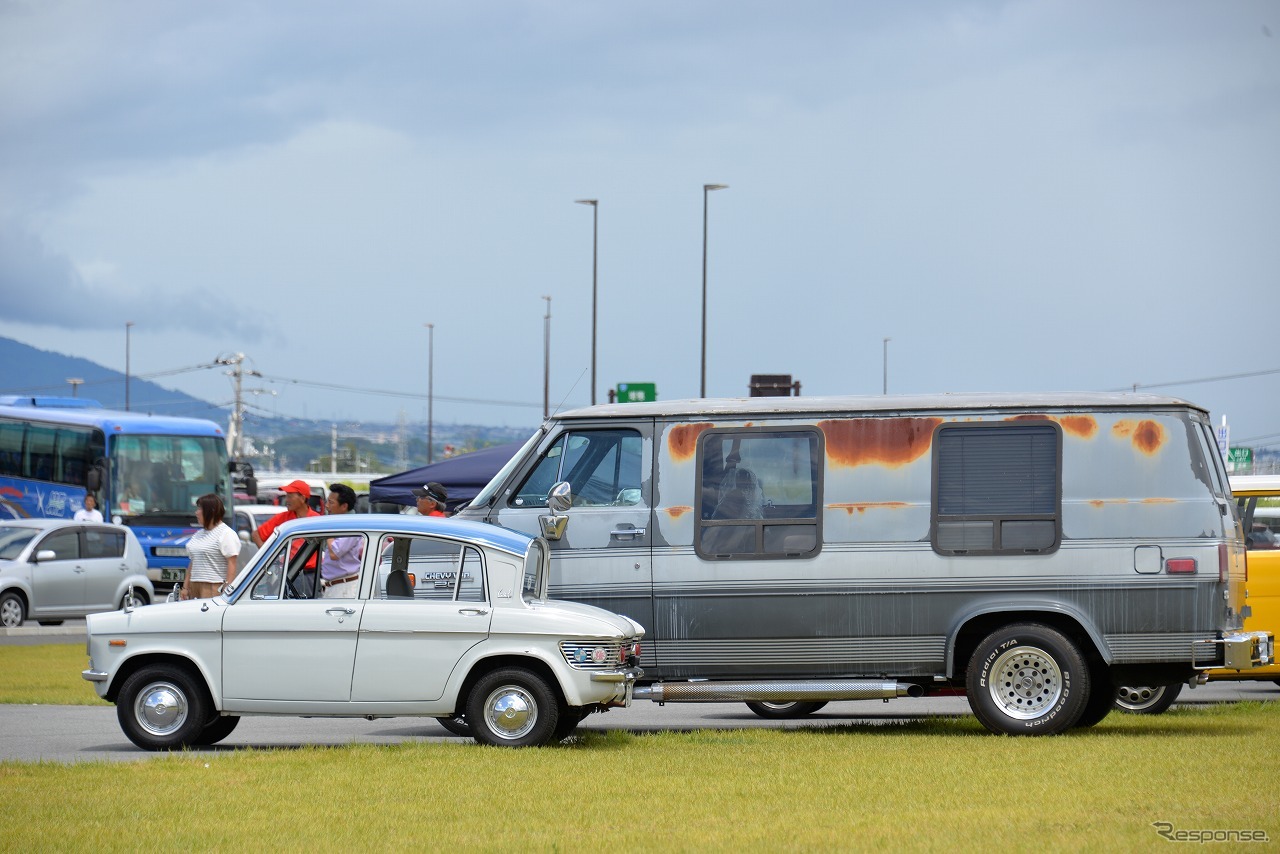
(13, 539)
(485, 497)
(153, 475)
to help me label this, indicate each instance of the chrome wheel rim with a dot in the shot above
(1025, 682)
(1135, 698)
(161, 708)
(511, 712)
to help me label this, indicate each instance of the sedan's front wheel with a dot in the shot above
(12, 611)
(163, 707)
(512, 707)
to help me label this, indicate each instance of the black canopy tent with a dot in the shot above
(463, 476)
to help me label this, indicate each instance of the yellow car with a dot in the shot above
(1258, 505)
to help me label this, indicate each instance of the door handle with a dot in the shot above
(344, 611)
(627, 532)
(473, 612)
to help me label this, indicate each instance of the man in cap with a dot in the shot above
(431, 499)
(296, 494)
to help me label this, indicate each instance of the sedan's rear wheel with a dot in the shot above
(512, 707)
(1146, 699)
(783, 711)
(162, 707)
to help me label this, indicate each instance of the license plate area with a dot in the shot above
(172, 574)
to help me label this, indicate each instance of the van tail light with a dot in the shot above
(1224, 564)
(1181, 566)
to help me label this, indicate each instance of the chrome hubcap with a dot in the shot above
(161, 708)
(511, 712)
(1136, 697)
(1025, 682)
(10, 614)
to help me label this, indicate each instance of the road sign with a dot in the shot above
(637, 392)
(1240, 456)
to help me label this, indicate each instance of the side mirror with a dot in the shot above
(559, 500)
(45, 555)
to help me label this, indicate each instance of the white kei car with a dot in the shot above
(445, 618)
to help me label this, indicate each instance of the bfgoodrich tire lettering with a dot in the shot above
(512, 707)
(1027, 679)
(163, 707)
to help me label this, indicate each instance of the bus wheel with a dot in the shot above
(1027, 679)
(783, 711)
(1146, 699)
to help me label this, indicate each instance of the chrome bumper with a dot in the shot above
(94, 675)
(1241, 651)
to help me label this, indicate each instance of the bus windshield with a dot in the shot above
(164, 475)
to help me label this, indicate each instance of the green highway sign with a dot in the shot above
(637, 392)
(1240, 456)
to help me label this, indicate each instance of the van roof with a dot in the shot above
(740, 406)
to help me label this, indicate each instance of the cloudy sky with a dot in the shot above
(1022, 196)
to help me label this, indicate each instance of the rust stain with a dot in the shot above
(864, 506)
(1159, 501)
(678, 511)
(1097, 502)
(1083, 426)
(682, 440)
(1147, 436)
(889, 442)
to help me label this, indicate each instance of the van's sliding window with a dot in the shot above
(760, 490)
(602, 467)
(997, 488)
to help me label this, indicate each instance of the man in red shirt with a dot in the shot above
(295, 499)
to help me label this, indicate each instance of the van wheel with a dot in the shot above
(1099, 705)
(1146, 699)
(220, 728)
(512, 707)
(783, 711)
(1027, 679)
(457, 725)
(162, 707)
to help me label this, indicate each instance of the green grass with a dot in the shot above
(938, 784)
(45, 675)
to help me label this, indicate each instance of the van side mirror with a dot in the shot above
(559, 500)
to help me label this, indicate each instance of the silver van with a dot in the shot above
(1031, 550)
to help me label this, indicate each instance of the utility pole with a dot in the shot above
(237, 373)
(546, 361)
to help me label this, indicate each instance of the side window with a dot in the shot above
(997, 489)
(64, 544)
(427, 568)
(760, 493)
(290, 574)
(602, 466)
(100, 543)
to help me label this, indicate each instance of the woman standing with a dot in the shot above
(213, 551)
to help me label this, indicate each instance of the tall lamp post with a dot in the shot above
(128, 324)
(886, 367)
(546, 360)
(595, 232)
(706, 190)
(431, 347)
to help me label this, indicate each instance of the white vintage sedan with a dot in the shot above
(441, 618)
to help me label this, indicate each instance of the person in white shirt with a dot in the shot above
(90, 511)
(213, 550)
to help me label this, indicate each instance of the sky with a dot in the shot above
(1052, 195)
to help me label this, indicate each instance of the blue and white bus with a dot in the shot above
(145, 471)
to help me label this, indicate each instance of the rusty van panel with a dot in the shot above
(682, 440)
(877, 441)
(1147, 435)
(1083, 426)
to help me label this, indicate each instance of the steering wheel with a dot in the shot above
(291, 592)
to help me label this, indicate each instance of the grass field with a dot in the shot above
(929, 785)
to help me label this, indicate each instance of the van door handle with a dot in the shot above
(627, 532)
(346, 611)
(473, 612)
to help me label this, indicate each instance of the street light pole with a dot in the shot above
(546, 360)
(886, 367)
(431, 349)
(595, 232)
(706, 190)
(128, 324)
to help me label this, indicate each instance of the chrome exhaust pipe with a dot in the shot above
(719, 692)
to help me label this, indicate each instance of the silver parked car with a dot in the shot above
(54, 569)
(436, 617)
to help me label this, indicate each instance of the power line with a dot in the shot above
(1136, 386)
(389, 393)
